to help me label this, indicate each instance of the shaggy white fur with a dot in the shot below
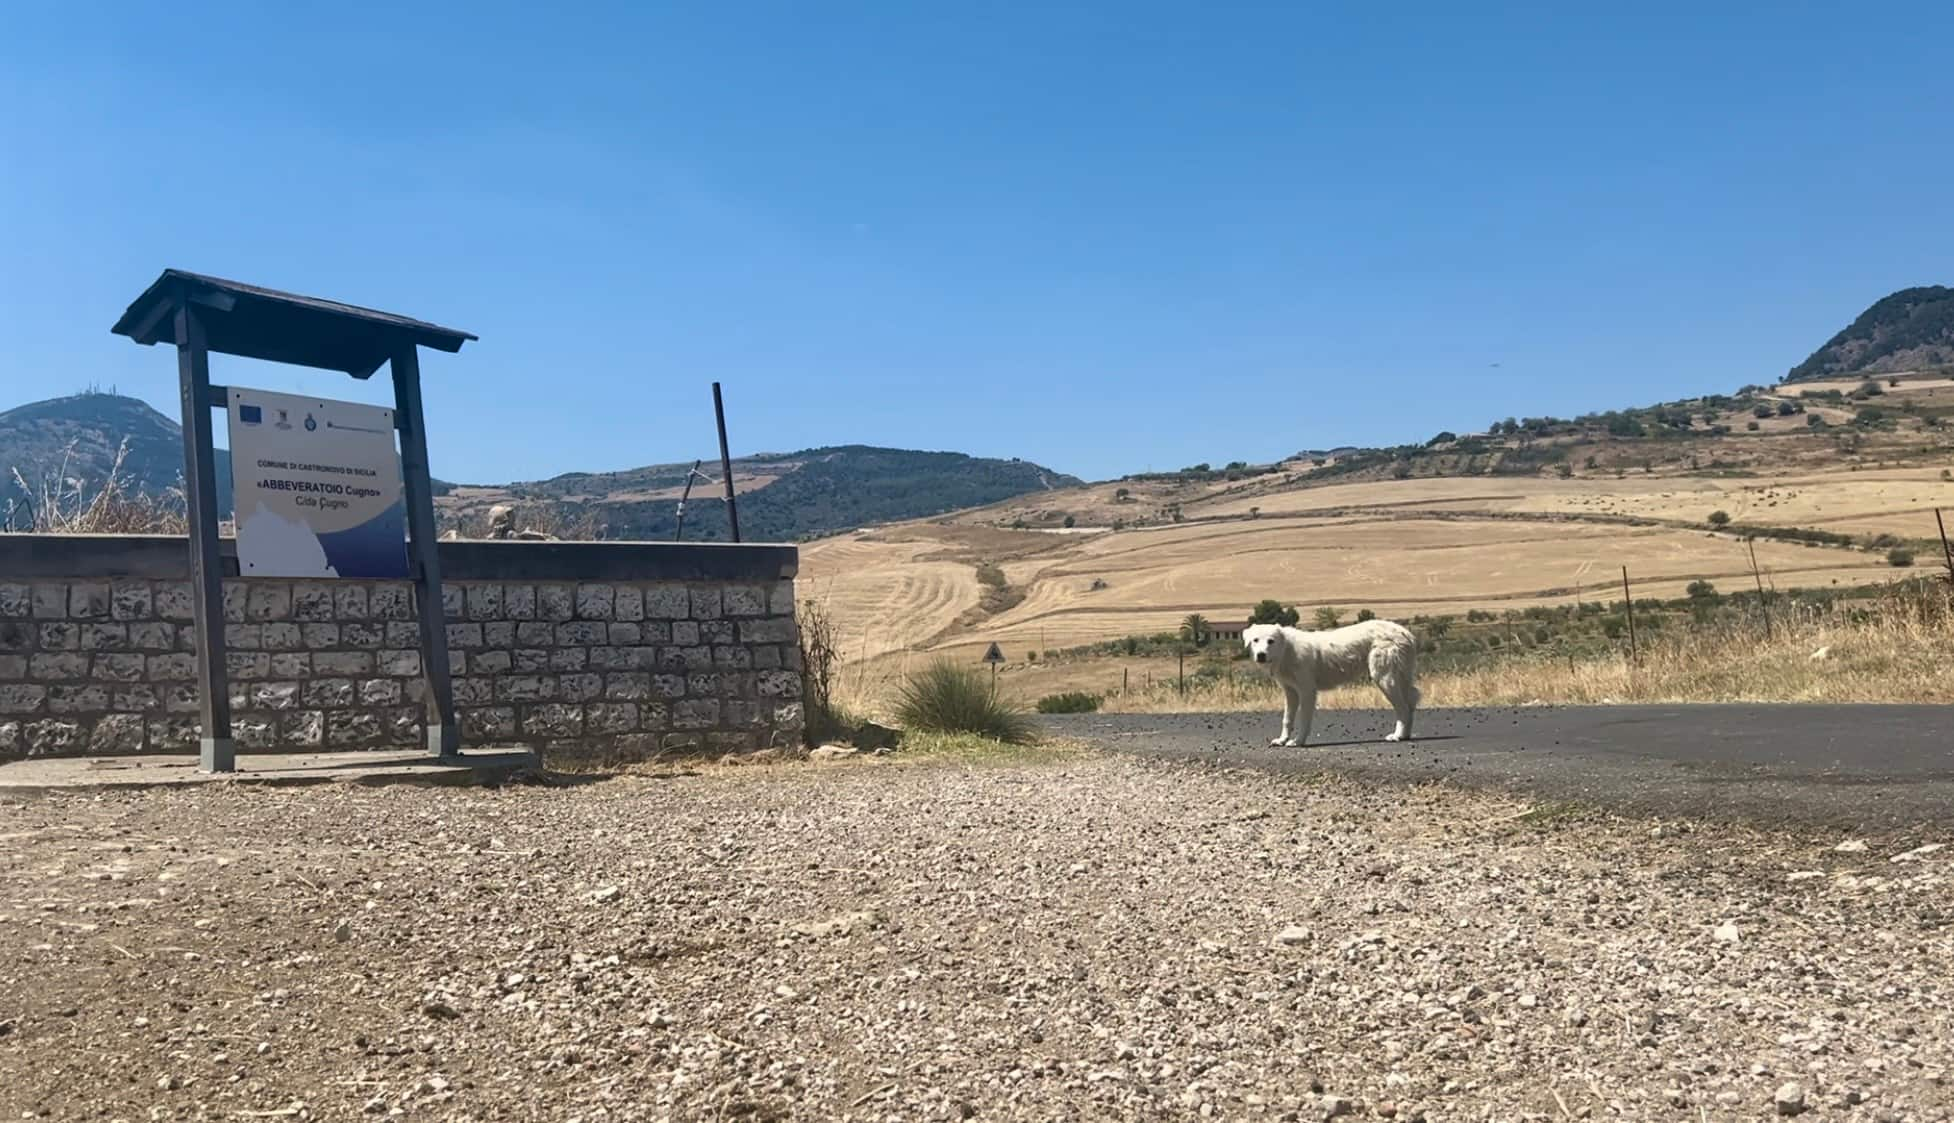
(1306, 662)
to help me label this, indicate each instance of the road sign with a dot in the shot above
(994, 655)
(318, 488)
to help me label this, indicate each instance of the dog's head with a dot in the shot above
(1262, 641)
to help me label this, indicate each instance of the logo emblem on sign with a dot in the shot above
(310, 423)
(284, 419)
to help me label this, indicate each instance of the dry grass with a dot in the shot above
(62, 503)
(1899, 648)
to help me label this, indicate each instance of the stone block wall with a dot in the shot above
(615, 649)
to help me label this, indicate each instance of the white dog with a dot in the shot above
(1305, 662)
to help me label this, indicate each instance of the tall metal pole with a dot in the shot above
(725, 462)
(1628, 606)
(217, 752)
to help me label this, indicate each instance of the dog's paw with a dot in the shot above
(1285, 743)
(1394, 736)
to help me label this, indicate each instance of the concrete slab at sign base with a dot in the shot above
(411, 766)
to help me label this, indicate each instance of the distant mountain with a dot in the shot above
(783, 496)
(1909, 330)
(77, 437)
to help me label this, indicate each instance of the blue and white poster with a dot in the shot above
(318, 488)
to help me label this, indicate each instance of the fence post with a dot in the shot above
(1182, 656)
(1628, 606)
(1763, 606)
(1122, 682)
(1944, 550)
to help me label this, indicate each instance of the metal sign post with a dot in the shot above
(201, 315)
(994, 655)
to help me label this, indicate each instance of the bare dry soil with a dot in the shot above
(1094, 937)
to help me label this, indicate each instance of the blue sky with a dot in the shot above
(1105, 237)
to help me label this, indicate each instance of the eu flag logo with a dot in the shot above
(250, 415)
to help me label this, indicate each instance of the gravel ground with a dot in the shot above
(1099, 937)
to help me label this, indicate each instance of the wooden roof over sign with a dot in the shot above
(281, 327)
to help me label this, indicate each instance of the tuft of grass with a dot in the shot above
(945, 698)
(1070, 702)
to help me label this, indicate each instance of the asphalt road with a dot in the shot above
(1848, 767)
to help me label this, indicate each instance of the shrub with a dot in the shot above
(1070, 522)
(1326, 617)
(946, 698)
(990, 575)
(1752, 426)
(1899, 557)
(1701, 590)
(1364, 614)
(1070, 702)
(1719, 518)
(1762, 410)
(1868, 389)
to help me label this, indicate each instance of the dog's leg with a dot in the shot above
(1305, 716)
(1403, 698)
(1288, 716)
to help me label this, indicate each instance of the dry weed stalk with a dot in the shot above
(62, 503)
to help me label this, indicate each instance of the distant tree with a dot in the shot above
(1364, 614)
(1701, 590)
(1719, 518)
(1401, 471)
(1868, 389)
(1762, 409)
(1893, 383)
(1236, 466)
(1070, 522)
(1752, 426)
(1326, 617)
(1272, 612)
(1255, 512)
(1195, 629)
(1444, 438)
(1788, 408)
(1120, 495)
(1564, 470)
(1814, 421)
(1899, 557)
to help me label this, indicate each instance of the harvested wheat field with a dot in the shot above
(1398, 548)
(1071, 937)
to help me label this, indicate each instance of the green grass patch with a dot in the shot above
(946, 698)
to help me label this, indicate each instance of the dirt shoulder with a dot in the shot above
(1097, 937)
